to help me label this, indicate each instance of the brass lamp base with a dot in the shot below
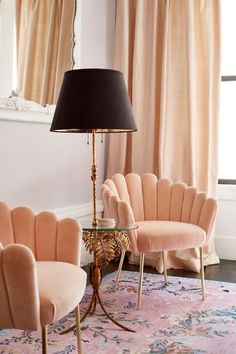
(105, 246)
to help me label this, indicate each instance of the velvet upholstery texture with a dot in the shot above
(170, 216)
(40, 277)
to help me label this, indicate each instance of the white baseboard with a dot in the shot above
(82, 212)
(78, 211)
(226, 247)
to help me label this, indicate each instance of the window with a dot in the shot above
(227, 126)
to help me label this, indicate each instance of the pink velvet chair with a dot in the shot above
(170, 216)
(40, 277)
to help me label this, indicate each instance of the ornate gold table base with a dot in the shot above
(106, 246)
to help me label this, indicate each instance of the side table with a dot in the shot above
(106, 244)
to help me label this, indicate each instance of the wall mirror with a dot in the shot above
(37, 40)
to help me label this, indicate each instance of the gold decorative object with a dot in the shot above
(105, 246)
(106, 222)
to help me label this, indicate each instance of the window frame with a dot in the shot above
(227, 180)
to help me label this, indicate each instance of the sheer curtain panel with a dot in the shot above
(169, 51)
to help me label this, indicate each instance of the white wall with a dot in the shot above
(42, 169)
(97, 24)
(226, 222)
(50, 170)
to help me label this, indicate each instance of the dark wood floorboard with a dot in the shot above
(224, 271)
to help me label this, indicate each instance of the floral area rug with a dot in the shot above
(173, 319)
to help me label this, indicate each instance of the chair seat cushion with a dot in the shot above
(61, 287)
(168, 235)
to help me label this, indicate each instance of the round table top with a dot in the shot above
(89, 227)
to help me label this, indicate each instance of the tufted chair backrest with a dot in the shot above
(48, 238)
(153, 199)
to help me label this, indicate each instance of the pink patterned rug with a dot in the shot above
(173, 319)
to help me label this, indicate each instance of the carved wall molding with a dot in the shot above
(17, 109)
(18, 103)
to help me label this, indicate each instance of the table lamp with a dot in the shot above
(93, 101)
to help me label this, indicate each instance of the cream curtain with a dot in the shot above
(169, 52)
(44, 47)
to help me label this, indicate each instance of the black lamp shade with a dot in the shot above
(93, 99)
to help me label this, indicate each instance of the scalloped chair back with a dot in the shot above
(48, 238)
(39, 257)
(170, 216)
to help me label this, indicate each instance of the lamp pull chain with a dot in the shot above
(87, 138)
(102, 138)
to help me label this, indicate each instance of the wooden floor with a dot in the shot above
(225, 271)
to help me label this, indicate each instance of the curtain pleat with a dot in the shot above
(44, 35)
(169, 52)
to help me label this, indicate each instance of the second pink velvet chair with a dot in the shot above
(170, 216)
(40, 277)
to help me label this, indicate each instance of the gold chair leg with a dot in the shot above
(119, 269)
(44, 340)
(164, 259)
(140, 280)
(202, 273)
(78, 330)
